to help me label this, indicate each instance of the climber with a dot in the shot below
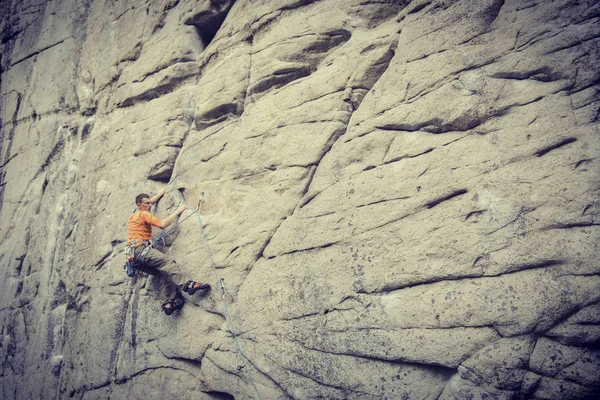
(149, 260)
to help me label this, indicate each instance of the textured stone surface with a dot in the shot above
(401, 197)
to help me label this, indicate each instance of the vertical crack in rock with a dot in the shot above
(120, 331)
(7, 157)
(372, 75)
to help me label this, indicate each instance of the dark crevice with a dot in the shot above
(306, 62)
(220, 395)
(11, 134)
(323, 246)
(400, 158)
(541, 74)
(279, 79)
(435, 202)
(189, 361)
(521, 212)
(571, 45)
(102, 260)
(231, 252)
(548, 149)
(335, 136)
(474, 214)
(36, 53)
(261, 251)
(463, 123)
(392, 287)
(11, 36)
(162, 14)
(215, 155)
(218, 114)
(299, 317)
(438, 367)
(536, 265)
(355, 391)
(575, 309)
(163, 170)
(577, 89)
(326, 42)
(267, 19)
(157, 91)
(45, 184)
(418, 8)
(143, 371)
(492, 12)
(505, 225)
(591, 208)
(53, 154)
(87, 128)
(208, 22)
(383, 201)
(422, 153)
(543, 35)
(571, 225)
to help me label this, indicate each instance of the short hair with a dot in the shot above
(140, 197)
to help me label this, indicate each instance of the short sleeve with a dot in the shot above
(150, 219)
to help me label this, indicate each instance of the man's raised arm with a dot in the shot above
(157, 197)
(169, 220)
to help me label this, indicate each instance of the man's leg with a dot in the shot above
(165, 269)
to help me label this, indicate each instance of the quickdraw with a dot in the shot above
(128, 267)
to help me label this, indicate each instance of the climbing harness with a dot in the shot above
(128, 267)
(227, 315)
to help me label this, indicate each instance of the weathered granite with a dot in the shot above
(401, 197)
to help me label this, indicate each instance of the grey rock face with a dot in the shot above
(400, 197)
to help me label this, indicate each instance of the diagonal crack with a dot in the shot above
(475, 275)
(373, 358)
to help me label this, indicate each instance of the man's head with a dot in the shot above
(143, 202)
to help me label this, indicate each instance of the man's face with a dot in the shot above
(145, 205)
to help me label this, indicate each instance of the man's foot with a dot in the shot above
(192, 287)
(172, 305)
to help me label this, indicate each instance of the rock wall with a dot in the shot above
(401, 197)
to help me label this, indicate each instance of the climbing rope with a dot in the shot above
(227, 315)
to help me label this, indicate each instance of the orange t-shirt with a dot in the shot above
(140, 226)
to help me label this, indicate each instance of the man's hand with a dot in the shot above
(169, 220)
(158, 196)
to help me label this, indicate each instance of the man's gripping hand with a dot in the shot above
(181, 209)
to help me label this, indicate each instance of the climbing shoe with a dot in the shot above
(192, 287)
(171, 305)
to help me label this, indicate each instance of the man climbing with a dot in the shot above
(152, 261)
